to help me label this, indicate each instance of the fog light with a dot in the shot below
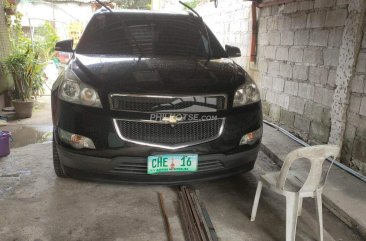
(75, 140)
(251, 137)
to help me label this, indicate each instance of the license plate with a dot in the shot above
(172, 163)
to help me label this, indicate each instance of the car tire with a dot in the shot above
(59, 170)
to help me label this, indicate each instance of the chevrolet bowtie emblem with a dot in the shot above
(172, 119)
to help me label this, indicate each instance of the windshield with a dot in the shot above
(148, 35)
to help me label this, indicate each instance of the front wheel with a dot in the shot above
(57, 163)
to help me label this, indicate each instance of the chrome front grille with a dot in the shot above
(165, 135)
(182, 104)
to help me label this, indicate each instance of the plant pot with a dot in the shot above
(11, 7)
(23, 109)
(13, 2)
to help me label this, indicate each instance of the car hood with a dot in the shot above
(157, 75)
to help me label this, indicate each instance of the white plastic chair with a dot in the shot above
(312, 187)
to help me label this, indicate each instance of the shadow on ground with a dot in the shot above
(35, 205)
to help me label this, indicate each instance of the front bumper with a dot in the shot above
(218, 158)
(134, 169)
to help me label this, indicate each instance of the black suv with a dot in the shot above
(154, 98)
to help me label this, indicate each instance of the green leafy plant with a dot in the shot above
(26, 73)
(133, 4)
(45, 38)
(193, 3)
(24, 64)
(19, 42)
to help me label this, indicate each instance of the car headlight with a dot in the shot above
(75, 140)
(74, 91)
(246, 94)
(251, 137)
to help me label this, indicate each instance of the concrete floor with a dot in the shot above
(35, 205)
(37, 129)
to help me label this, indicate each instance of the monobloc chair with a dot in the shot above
(312, 187)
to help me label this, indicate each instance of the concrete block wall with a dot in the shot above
(302, 54)
(2, 101)
(297, 57)
(4, 49)
(298, 50)
(4, 35)
(354, 150)
(231, 23)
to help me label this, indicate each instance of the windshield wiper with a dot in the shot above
(209, 53)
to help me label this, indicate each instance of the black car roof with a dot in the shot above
(146, 13)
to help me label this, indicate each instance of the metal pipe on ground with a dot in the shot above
(165, 217)
(301, 142)
(196, 222)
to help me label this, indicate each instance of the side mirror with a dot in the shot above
(232, 51)
(65, 46)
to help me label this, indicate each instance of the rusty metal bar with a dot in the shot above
(185, 223)
(253, 47)
(191, 228)
(165, 217)
(194, 218)
(202, 217)
(191, 232)
(274, 2)
(195, 215)
(209, 222)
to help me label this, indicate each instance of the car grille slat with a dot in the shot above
(183, 104)
(208, 164)
(120, 171)
(134, 165)
(141, 168)
(133, 168)
(168, 135)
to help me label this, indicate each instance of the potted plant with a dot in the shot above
(24, 66)
(10, 7)
(27, 74)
